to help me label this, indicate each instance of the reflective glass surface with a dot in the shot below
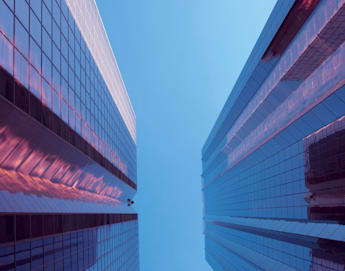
(68, 152)
(50, 57)
(273, 165)
(108, 247)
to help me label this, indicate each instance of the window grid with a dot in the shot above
(109, 247)
(81, 98)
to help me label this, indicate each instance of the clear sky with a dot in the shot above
(179, 60)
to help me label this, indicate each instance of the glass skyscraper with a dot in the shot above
(67, 142)
(274, 163)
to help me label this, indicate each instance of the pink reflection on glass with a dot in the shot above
(16, 182)
(26, 169)
(35, 82)
(323, 82)
(306, 4)
(6, 50)
(21, 70)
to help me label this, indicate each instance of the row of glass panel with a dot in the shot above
(296, 256)
(112, 246)
(271, 181)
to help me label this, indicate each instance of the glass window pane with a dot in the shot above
(36, 7)
(6, 52)
(35, 82)
(64, 111)
(64, 89)
(47, 67)
(56, 12)
(77, 69)
(71, 78)
(56, 103)
(6, 20)
(56, 34)
(22, 39)
(64, 68)
(56, 57)
(35, 28)
(48, 4)
(71, 97)
(35, 54)
(22, 12)
(71, 119)
(46, 19)
(56, 79)
(64, 9)
(21, 69)
(78, 123)
(64, 27)
(46, 94)
(46, 44)
(64, 47)
(71, 37)
(71, 58)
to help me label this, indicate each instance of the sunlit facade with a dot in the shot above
(274, 162)
(67, 142)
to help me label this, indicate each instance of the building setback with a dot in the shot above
(274, 163)
(67, 142)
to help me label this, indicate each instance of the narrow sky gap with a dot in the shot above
(179, 60)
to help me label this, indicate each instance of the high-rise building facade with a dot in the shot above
(274, 163)
(67, 142)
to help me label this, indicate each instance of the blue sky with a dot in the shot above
(179, 60)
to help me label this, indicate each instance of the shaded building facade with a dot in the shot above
(67, 142)
(274, 162)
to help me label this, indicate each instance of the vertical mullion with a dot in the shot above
(60, 62)
(40, 46)
(14, 51)
(29, 59)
